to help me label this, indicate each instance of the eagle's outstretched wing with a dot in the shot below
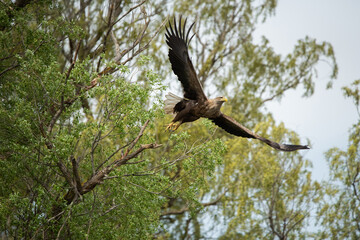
(178, 39)
(235, 128)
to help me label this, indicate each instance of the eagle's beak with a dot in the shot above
(224, 99)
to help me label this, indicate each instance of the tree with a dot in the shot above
(340, 214)
(82, 155)
(78, 103)
(71, 117)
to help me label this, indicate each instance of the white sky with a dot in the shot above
(326, 117)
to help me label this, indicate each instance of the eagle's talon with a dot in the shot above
(172, 127)
(169, 127)
(176, 126)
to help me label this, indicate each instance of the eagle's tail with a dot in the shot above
(170, 102)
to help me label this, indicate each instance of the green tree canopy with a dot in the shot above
(340, 214)
(83, 152)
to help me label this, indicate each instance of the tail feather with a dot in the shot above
(170, 102)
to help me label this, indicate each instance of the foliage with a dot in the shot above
(273, 191)
(83, 152)
(340, 216)
(67, 126)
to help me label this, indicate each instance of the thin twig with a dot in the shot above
(62, 226)
(129, 11)
(185, 209)
(99, 176)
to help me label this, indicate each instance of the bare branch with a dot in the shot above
(185, 209)
(62, 226)
(142, 48)
(100, 175)
(139, 186)
(65, 172)
(137, 138)
(73, 62)
(76, 173)
(129, 11)
(353, 183)
(54, 119)
(134, 154)
(9, 69)
(110, 25)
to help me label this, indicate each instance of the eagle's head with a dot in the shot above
(219, 101)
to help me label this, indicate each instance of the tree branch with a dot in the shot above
(99, 176)
(185, 209)
(76, 173)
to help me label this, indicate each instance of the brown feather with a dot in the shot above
(233, 127)
(181, 63)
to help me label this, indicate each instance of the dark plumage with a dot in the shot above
(195, 104)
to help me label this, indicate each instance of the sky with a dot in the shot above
(326, 117)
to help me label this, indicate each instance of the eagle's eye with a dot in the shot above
(223, 99)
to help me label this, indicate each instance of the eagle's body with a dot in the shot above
(191, 110)
(195, 104)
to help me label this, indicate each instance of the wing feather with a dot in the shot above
(180, 61)
(233, 127)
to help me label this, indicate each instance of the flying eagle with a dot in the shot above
(195, 104)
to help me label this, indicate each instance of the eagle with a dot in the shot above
(195, 104)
